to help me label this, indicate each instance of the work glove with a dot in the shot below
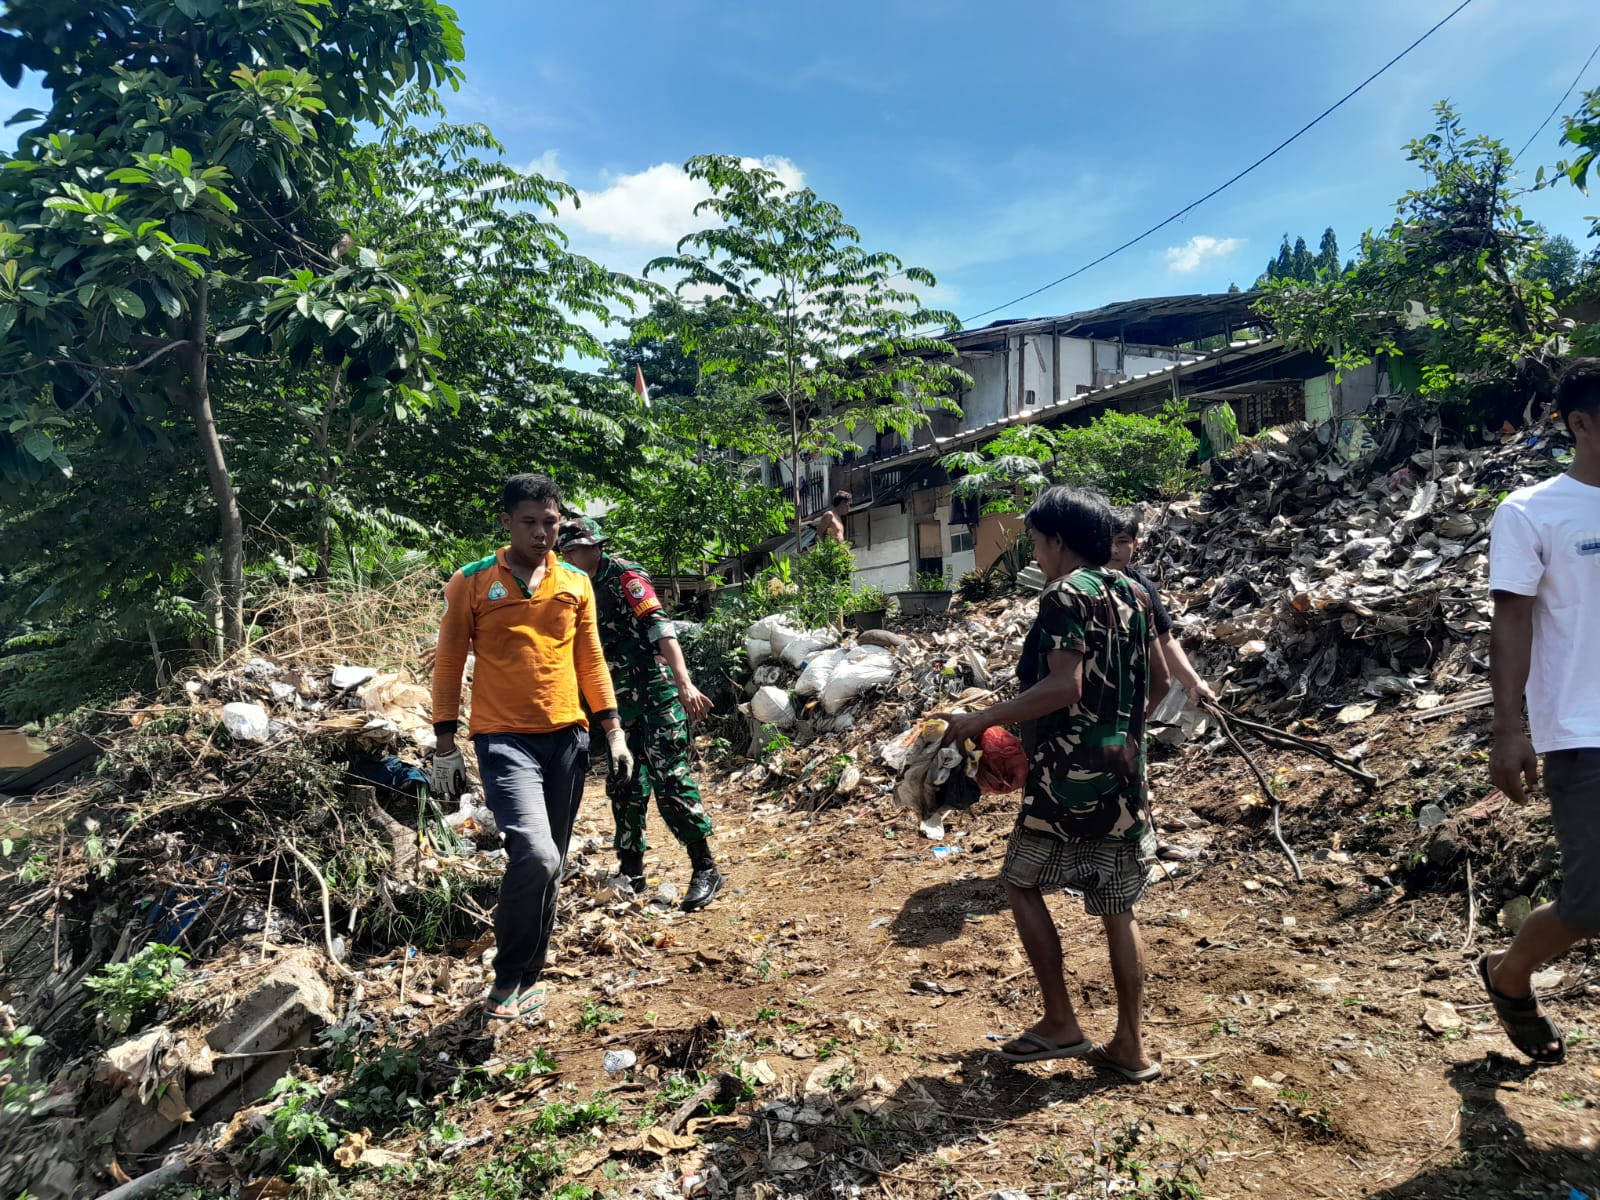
(449, 777)
(621, 756)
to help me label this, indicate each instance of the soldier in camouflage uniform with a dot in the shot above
(1088, 674)
(652, 696)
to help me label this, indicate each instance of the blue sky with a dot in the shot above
(1002, 146)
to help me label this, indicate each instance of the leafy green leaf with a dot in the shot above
(37, 443)
(125, 302)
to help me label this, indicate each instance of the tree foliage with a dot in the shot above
(1126, 456)
(1297, 262)
(810, 324)
(1447, 285)
(171, 196)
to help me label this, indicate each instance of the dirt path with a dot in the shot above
(862, 977)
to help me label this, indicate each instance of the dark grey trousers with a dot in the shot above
(533, 783)
(1572, 781)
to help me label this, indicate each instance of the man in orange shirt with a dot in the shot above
(530, 621)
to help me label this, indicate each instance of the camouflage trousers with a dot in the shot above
(658, 736)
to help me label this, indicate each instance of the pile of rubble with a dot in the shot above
(1309, 582)
(1314, 590)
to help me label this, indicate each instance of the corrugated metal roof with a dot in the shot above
(1159, 320)
(1236, 352)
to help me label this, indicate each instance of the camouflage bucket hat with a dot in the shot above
(580, 531)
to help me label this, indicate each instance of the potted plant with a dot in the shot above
(866, 608)
(931, 595)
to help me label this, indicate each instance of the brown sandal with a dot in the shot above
(1528, 1029)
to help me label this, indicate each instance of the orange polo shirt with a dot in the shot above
(535, 653)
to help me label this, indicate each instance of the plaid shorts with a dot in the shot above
(1110, 876)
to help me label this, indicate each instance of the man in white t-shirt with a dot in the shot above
(1544, 574)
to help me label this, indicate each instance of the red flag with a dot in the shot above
(638, 384)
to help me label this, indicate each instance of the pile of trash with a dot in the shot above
(1309, 582)
(1313, 588)
(842, 713)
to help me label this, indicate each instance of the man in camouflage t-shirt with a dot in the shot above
(1088, 676)
(652, 696)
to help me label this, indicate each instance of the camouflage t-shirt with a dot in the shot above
(631, 619)
(1086, 768)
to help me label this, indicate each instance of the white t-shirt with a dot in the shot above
(1546, 544)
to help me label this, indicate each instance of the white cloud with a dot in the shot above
(1198, 250)
(655, 206)
(548, 165)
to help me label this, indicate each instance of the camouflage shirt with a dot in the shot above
(631, 619)
(1086, 768)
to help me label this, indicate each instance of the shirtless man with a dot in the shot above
(831, 523)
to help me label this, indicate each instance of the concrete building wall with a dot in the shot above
(985, 400)
(882, 547)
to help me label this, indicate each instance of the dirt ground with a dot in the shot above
(861, 979)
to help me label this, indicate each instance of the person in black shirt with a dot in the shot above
(1124, 547)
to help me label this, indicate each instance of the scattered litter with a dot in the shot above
(246, 722)
(345, 678)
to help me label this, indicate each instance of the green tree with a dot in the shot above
(436, 214)
(1581, 131)
(680, 512)
(1556, 261)
(1297, 261)
(1128, 456)
(1327, 262)
(810, 323)
(1443, 286)
(175, 186)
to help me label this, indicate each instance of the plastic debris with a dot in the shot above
(246, 722)
(345, 678)
(772, 706)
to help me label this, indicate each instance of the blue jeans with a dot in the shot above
(533, 783)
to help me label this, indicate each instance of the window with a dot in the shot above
(961, 540)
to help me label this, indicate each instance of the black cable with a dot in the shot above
(1559, 102)
(1186, 209)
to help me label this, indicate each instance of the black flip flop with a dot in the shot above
(1528, 1029)
(1045, 1049)
(1098, 1057)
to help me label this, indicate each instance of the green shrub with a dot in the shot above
(126, 991)
(17, 1084)
(824, 575)
(1127, 456)
(298, 1132)
(975, 585)
(867, 599)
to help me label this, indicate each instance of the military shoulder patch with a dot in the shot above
(641, 596)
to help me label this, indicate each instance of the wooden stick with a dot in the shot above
(1285, 740)
(1266, 790)
(272, 889)
(724, 1085)
(1471, 700)
(327, 910)
(61, 858)
(1472, 908)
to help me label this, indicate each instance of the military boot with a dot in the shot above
(706, 881)
(630, 865)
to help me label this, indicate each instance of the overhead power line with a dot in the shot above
(1224, 186)
(1559, 102)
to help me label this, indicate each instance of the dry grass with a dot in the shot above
(379, 627)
